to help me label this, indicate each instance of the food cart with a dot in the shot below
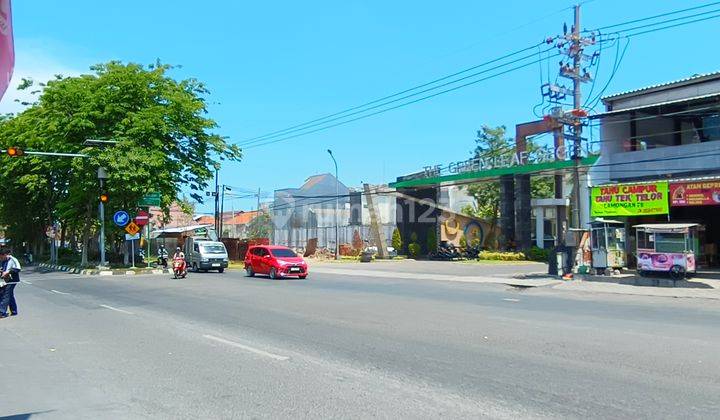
(668, 247)
(607, 244)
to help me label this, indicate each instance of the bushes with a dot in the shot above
(538, 254)
(397, 240)
(501, 256)
(414, 247)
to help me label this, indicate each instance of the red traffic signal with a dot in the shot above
(104, 198)
(15, 151)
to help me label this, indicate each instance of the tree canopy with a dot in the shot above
(164, 142)
(493, 142)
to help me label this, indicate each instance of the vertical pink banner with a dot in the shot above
(7, 47)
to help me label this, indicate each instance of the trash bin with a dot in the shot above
(366, 256)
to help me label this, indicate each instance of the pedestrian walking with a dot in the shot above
(11, 277)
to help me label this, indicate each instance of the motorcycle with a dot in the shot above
(179, 268)
(162, 261)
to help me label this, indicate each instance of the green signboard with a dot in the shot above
(151, 199)
(201, 231)
(630, 200)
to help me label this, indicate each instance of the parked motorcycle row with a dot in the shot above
(449, 252)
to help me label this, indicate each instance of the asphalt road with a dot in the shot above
(227, 346)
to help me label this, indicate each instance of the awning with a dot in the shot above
(545, 168)
(664, 227)
(670, 180)
(655, 105)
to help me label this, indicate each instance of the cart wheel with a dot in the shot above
(677, 272)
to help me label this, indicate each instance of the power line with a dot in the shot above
(388, 102)
(655, 16)
(300, 129)
(400, 105)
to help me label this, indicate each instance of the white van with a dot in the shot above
(203, 254)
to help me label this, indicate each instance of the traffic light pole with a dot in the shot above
(102, 176)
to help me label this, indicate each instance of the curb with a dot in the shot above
(96, 272)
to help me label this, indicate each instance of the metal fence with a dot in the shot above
(298, 237)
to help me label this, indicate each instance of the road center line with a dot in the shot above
(59, 292)
(246, 348)
(117, 309)
(511, 300)
(25, 281)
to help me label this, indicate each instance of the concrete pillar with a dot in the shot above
(523, 212)
(540, 227)
(507, 210)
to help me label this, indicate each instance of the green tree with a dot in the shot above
(165, 141)
(397, 240)
(494, 142)
(260, 226)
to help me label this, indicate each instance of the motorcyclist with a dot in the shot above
(179, 254)
(162, 255)
(180, 257)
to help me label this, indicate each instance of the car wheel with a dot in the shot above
(677, 272)
(220, 270)
(302, 277)
(273, 273)
(249, 271)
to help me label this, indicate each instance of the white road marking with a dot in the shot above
(511, 300)
(25, 281)
(59, 292)
(246, 348)
(117, 309)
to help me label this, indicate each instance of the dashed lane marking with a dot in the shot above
(246, 348)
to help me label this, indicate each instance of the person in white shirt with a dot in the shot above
(11, 277)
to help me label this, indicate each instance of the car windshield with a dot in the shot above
(283, 253)
(214, 249)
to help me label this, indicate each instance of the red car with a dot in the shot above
(276, 261)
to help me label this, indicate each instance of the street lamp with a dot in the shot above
(337, 205)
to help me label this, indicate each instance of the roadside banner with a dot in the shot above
(7, 46)
(630, 200)
(703, 193)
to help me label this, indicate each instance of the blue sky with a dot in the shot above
(271, 65)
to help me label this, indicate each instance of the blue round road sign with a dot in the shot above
(121, 218)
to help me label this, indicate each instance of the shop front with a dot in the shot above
(683, 200)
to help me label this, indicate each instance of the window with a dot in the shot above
(196, 248)
(282, 252)
(214, 249)
(670, 242)
(645, 240)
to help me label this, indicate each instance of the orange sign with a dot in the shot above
(132, 228)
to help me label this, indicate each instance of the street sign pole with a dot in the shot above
(132, 251)
(147, 239)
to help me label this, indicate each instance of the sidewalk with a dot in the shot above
(697, 288)
(410, 275)
(104, 272)
(628, 289)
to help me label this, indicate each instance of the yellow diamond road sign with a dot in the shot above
(132, 228)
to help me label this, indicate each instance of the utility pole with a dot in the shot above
(258, 200)
(217, 201)
(572, 44)
(576, 50)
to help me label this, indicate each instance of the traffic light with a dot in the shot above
(104, 197)
(15, 151)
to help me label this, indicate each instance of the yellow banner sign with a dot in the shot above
(630, 200)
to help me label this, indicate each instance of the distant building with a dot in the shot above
(299, 214)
